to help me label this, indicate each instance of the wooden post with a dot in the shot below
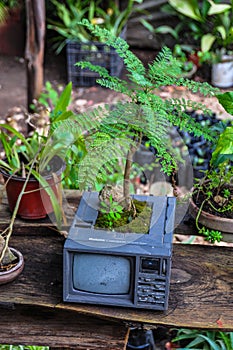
(34, 54)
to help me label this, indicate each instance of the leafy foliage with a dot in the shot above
(214, 193)
(206, 340)
(32, 155)
(211, 23)
(120, 128)
(71, 12)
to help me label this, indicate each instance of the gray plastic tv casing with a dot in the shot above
(149, 289)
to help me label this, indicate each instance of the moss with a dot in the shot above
(125, 223)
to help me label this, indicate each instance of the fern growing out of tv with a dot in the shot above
(119, 269)
(110, 267)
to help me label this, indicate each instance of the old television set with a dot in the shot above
(119, 269)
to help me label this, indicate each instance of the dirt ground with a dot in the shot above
(13, 83)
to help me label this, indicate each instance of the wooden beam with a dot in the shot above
(56, 328)
(34, 53)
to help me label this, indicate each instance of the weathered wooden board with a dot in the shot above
(57, 328)
(32, 310)
(201, 293)
(185, 225)
(71, 199)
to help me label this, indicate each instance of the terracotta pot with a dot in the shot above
(37, 203)
(224, 225)
(12, 34)
(14, 272)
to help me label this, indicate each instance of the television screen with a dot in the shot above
(101, 273)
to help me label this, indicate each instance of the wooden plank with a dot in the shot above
(201, 287)
(71, 198)
(201, 293)
(57, 328)
(185, 224)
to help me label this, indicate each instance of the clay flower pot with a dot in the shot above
(215, 222)
(11, 274)
(36, 204)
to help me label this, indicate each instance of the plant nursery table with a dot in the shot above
(32, 311)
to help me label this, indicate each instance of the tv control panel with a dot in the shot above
(152, 281)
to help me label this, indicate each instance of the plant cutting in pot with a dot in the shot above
(212, 27)
(11, 260)
(41, 150)
(212, 199)
(69, 14)
(81, 44)
(30, 166)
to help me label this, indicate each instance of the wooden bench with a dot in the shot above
(32, 311)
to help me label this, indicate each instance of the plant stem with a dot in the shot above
(199, 213)
(8, 231)
(128, 166)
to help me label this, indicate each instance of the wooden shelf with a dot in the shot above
(32, 310)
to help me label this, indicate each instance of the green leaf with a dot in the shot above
(167, 30)
(224, 148)
(226, 100)
(207, 41)
(55, 203)
(19, 135)
(5, 165)
(147, 25)
(64, 100)
(189, 8)
(211, 342)
(222, 32)
(217, 8)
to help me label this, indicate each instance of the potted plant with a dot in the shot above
(113, 133)
(32, 172)
(117, 131)
(40, 154)
(81, 44)
(11, 259)
(212, 198)
(212, 26)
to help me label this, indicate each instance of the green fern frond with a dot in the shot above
(115, 84)
(102, 156)
(131, 61)
(112, 131)
(103, 72)
(165, 69)
(186, 104)
(85, 122)
(194, 86)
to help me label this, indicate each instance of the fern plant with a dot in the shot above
(116, 131)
